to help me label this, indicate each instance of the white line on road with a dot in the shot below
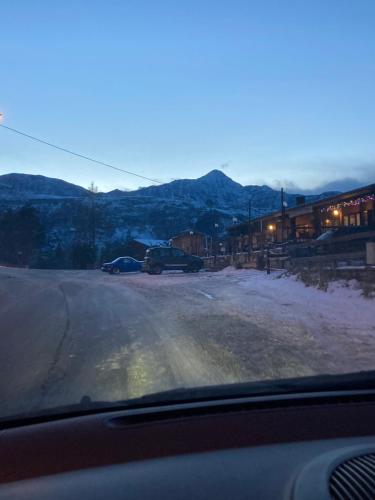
(207, 295)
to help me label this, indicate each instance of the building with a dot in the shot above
(304, 222)
(192, 242)
(352, 209)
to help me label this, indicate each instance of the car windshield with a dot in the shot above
(187, 198)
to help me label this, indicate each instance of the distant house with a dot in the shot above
(192, 242)
(138, 246)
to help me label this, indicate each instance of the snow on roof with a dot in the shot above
(188, 231)
(150, 242)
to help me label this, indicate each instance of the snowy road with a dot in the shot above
(65, 334)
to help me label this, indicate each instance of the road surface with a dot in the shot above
(66, 334)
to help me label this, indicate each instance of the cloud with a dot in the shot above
(345, 184)
(365, 174)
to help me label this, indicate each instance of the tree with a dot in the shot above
(21, 235)
(82, 256)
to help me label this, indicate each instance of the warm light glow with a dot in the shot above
(271, 227)
(336, 212)
(328, 221)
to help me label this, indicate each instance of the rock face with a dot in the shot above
(70, 212)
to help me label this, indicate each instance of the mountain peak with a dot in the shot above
(215, 174)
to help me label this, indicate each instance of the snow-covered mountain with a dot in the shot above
(24, 186)
(217, 191)
(156, 211)
(214, 189)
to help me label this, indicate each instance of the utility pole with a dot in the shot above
(268, 263)
(282, 215)
(249, 228)
(93, 191)
(216, 226)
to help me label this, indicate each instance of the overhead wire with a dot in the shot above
(93, 160)
(65, 150)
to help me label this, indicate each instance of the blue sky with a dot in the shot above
(280, 92)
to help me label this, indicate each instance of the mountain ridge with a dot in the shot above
(215, 183)
(66, 210)
(16, 184)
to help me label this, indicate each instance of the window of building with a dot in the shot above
(365, 218)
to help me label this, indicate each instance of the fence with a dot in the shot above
(254, 260)
(279, 260)
(329, 261)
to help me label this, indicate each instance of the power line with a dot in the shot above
(178, 196)
(79, 155)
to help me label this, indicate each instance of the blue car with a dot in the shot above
(122, 265)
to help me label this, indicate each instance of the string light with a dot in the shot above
(350, 203)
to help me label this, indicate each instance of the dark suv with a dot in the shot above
(159, 258)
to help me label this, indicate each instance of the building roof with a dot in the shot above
(187, 232)
(151, 242)
(318, 203)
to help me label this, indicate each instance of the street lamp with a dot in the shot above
(336, 212)
(234, 220)
(271, 229)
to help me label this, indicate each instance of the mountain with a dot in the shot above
(214, 188)
(217, 191)
(24, 186)
(67, 211)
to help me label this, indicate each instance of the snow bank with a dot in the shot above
(343, 304)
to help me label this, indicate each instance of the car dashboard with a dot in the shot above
(259, 448)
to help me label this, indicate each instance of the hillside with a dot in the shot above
(24, 186)
(160, 211)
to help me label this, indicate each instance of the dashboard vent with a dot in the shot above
(354, 479)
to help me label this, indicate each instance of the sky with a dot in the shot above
(271, 92)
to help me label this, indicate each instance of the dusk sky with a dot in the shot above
(275, 92)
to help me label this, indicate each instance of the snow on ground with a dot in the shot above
(279, 297)
(342, 305)
(274, 322)
(115, 337)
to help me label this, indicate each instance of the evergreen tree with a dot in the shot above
(21, 235)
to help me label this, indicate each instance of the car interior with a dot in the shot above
(187, 250)
(313, 444)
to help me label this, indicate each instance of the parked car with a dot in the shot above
(158, 259)
(122, 265)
